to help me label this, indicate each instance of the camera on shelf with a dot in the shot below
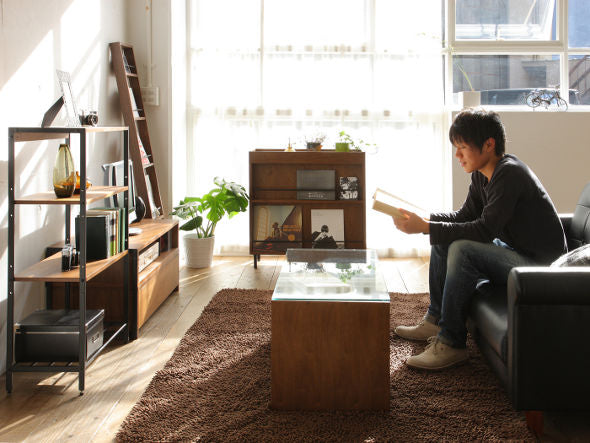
(89, 118)
(69, 257)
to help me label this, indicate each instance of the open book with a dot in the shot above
(389, 204)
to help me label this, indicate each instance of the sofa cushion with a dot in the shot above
(578, 257)
(488, 313)
(579, 232)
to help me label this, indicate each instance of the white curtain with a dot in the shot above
(264, 72)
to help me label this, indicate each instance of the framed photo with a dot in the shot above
(277, 228)
(327, 228)
(63, 79)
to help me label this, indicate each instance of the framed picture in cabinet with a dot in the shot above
(276, 228)
(327, 228)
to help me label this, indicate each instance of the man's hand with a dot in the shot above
(411, 223)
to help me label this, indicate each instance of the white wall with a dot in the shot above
(555, 145)
(167, 121)
(36, 38)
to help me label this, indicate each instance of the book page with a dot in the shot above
(389, 204)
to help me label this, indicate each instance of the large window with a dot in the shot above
(266, 72)
(507, 48)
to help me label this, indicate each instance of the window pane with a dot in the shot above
(578, 29)
(504, 79)
(505, 20)
(327, 25)
(213, 28)
(396, 30)
(579, 69)
(224, 81)
(317, 81)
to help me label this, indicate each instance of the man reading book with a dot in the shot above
(507, 220)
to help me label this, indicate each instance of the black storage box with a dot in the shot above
(52, 335)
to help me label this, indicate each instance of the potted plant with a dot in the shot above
(347, 142)
(203, 214)
(314, 142)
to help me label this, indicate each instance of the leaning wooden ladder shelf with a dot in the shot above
(133, 110)
(49, 270)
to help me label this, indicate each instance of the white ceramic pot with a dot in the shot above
(469, 99)
(198, 252)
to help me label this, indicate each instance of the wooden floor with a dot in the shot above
(49, 408)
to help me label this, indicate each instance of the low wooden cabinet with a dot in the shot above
(148, 288)
(273, 182)
(152, 285)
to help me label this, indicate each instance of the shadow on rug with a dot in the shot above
(216, 386)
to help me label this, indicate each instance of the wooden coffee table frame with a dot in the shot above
(330, 355)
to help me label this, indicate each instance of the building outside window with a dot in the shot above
(505, 49)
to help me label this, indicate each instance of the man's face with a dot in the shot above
(470, 158)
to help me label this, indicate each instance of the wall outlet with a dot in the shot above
(151, 95)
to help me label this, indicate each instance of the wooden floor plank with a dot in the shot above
(414, 272)
(392, 276)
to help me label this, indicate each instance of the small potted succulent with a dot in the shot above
(203, 214)
(314, 142)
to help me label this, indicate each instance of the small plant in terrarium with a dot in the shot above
(314, 141)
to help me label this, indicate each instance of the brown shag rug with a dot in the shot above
(216, 387)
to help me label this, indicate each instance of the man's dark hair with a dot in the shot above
(475, 126)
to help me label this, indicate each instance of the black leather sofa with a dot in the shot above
(535, 332)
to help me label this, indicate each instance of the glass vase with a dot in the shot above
(64, 175)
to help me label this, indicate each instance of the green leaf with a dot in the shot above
(192, 224)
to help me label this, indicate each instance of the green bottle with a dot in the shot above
(64, 175)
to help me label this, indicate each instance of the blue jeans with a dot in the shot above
(453, 275)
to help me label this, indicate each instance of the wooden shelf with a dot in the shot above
(151, 230)
(307, 202)
(130, 99)
(26, 134)
(94, 193)
(49, 270)
(273, 181)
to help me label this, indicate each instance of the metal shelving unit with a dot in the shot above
(49, 269)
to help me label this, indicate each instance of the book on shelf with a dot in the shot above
(130, 69)
(98, 242)
(105, 232)
(316, 184)
(390, 204)
(118, 227)
(349, 188)
(277, 228)
(327, 228)
(135, 109)
(154, 208)
(145, 160)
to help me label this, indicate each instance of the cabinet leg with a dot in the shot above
(534, 421)
(81, 381)
(255, 261)
(9, 381)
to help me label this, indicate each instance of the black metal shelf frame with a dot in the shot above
(82, 363)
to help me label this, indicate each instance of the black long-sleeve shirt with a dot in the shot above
(513, 207)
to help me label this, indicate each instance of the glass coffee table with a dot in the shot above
(330, 332)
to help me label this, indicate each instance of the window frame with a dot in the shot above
(559, 47)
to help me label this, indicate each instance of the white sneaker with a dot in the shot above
(438, 355)
(422, 331)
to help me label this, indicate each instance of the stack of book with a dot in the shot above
(105, 232)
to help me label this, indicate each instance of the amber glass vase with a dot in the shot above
(64, 175)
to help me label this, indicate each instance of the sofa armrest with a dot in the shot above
(548, 313)
(549, 286)
(566, 221)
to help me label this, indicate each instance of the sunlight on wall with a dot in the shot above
(76, 32)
